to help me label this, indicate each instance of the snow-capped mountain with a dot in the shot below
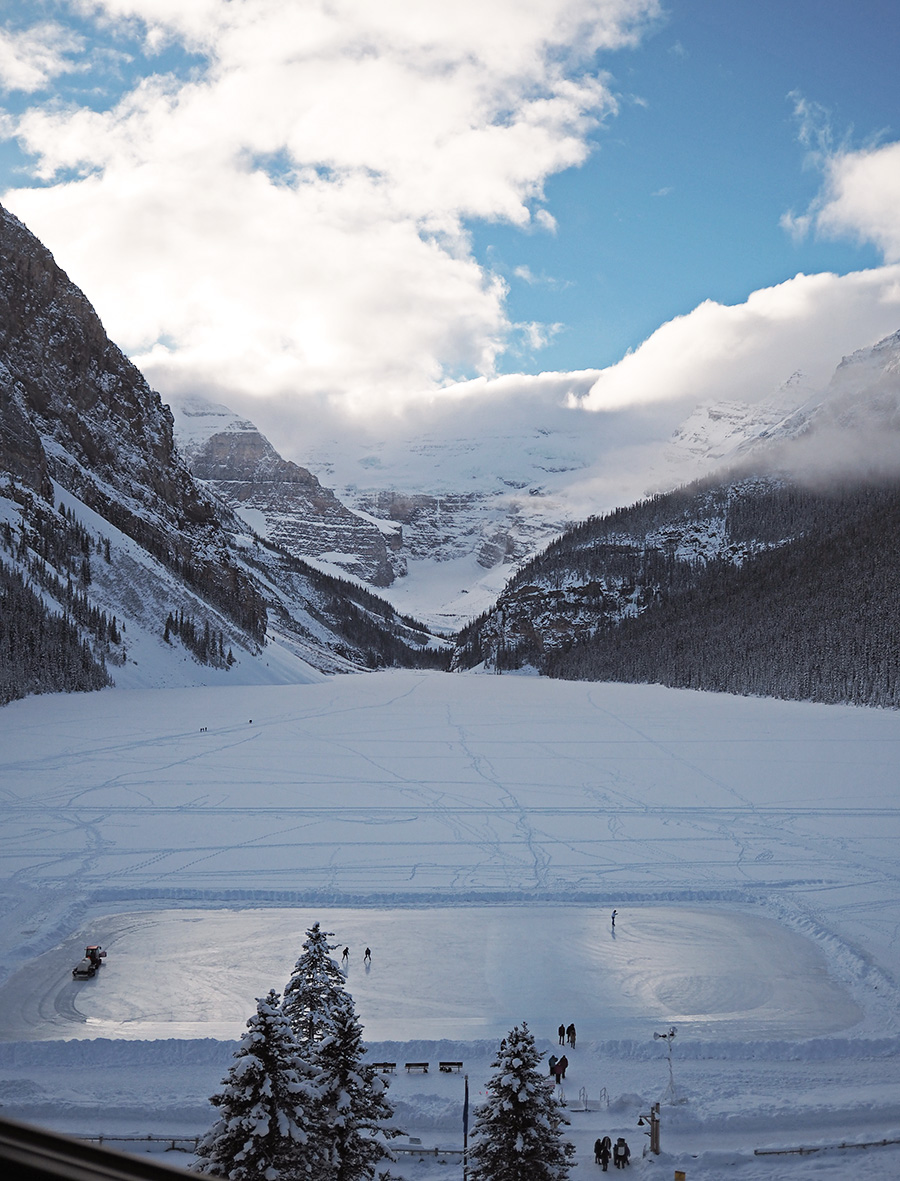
(115, 563)
(436, 521)
(775, 574)
(451, 503)
(278, 499)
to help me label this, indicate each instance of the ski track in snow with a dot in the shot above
(721, 828)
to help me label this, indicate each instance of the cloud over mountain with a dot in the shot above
(282, 203)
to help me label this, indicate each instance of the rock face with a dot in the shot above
(448, 526)
(116, 563)
(280, 500)
(75, 410)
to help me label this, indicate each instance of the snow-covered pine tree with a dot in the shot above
(354, 1098)
(315, 987)
(516, 1135)
(269, 1127)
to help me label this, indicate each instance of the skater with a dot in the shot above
(570, 1036)
(367, 958)
(613, 917)
(561, 1066)
(552, 1064)
(603, 1152)
(621, 1153)
(562, 1035)
(346, 954)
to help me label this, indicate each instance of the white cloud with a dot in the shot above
(860, 195)
(293, 216)
(744, 352)
(31, 58)
(862, 198)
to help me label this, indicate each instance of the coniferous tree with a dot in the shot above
(315, 988)
(354, 1099)
(269, 1126)
(516, 1135)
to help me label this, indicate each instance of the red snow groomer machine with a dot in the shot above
(93, 958)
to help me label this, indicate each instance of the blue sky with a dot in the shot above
(367, 207)
(682, 198)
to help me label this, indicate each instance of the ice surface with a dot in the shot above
(443, 973)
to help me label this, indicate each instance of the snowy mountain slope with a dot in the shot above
(473, 488)
(747, 585)
(809, 502)
(152, 579)
(279, 500)
(421, 506)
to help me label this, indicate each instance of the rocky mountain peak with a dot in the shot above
(64, 381)
(277, 498)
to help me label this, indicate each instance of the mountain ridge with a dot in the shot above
(103, 527)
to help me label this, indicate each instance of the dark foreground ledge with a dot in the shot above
(33, 1154)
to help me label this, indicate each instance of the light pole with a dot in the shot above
(671, 1095)
(466, 1132)
(653, 1120)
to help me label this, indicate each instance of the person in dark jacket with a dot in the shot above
(621, 1153)
(552, 1061)
(562, 1035)
(570, 1036)
(603, 1152)
(561, 1066)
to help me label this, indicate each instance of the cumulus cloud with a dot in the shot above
(862, 198)
(31, 58)
(292, 215)
(745, 351)
(860, 195)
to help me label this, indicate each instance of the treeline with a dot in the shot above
(815, 620)
(749, 513)
(207, 644)
(41, 651)
(55, 551)
(752, 586)
(373, 632)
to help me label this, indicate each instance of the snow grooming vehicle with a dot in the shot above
(93, 958)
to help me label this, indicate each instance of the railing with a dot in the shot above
(823, 1148)
(189, 1144)
(175, 1143)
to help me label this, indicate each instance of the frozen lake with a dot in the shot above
(475, 832)
(457, 973)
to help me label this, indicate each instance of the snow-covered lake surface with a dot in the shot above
(476, 833)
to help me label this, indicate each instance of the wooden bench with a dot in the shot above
(390, 1067)
(449, 1067)
(423, 1066)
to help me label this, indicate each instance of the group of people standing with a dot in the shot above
(558, 1066)
(605, 1151)
(566, 1034)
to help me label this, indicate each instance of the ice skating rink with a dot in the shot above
(451, 972)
